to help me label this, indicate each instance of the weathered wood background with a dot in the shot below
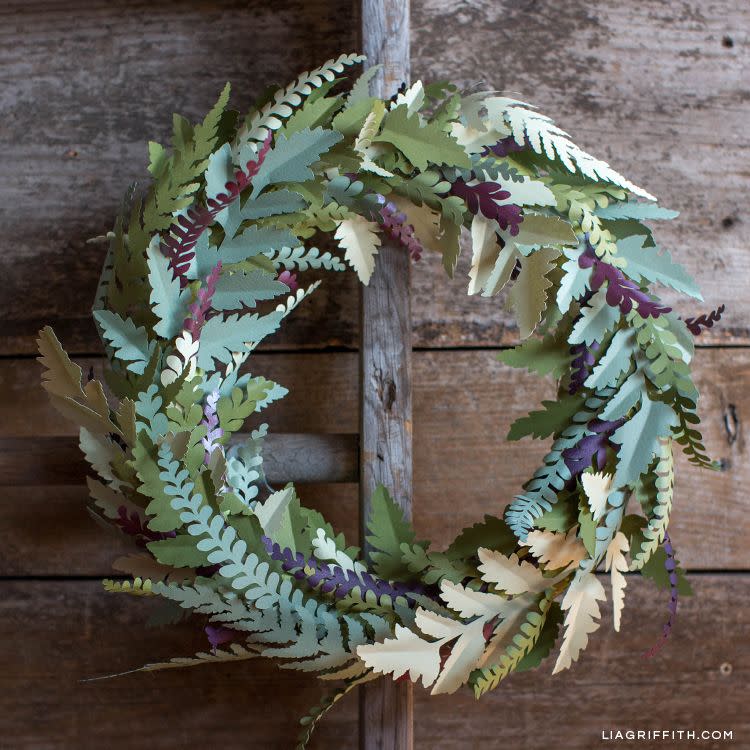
(659, 87)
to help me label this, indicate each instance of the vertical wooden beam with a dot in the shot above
(386, 708)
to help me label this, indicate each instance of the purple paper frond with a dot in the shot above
(583, 361)
(183, 235)
(696, 325)
(504, 147)
(671, 565)
(482, 199)
(218, 635)
(197, 318)
(621, 291)
(592, 449)
(332, 579)
(394, 222)
(211, 423)
(290, 279)
(135, 525)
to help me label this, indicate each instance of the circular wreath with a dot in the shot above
(187, 293)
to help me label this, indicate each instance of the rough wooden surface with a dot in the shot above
(658, 87)
(386, 709)
(53, 634)
(37, 461)
(464, 403)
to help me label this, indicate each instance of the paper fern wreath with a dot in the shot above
(185, 296)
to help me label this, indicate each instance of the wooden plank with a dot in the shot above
(78, 104)
(40, 461)
(464, 403)
(386, 709)
(47, 531)
(85, 86)
(659, 88)
(699, 680)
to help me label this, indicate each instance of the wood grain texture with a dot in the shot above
(658, 87)
(85, 86)
(53, 634)
(386, 709)
(39, 461)
(464, 403)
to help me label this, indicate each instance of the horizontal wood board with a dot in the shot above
(659, 87)
(464, 403)
(54, 634)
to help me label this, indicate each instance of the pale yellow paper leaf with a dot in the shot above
(514, 615)
(413, 97)
(510, 574)
(504, 265)
(438, 626)
(581, 618)
(271, 513)
(470, 603)
(424, 221)
(485, 249)
(597, 488)
(363, 143)
(355, 669)
(108, 499)
(465, 654)
(407, 652)
(616, 562)
(359, 239)
(555, 549)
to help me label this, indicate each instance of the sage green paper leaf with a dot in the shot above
(615, 361)
(167, 299)
(638, 439)
(290, 158)
(421, 144)
(575, 281)
(272, 203)
(129, 342)
(547, 356)
(361, 87)
(313, 114)
(492, 533)
(636, 210)
(528, 296)
(596, 319)
(219, 172)
(179, 551)
(61, 376)
(537, 230)
(656, 570)
(587, 528)
(544, 422)
(245, 289)
(252, 241)
(350, 120)
(388, 530)
(650, 265)
(527, 191)
(626, 397)
(223, 335)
